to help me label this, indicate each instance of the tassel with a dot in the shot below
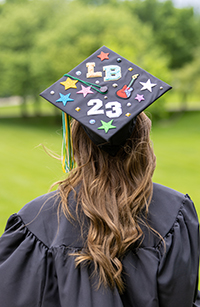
(67, 145)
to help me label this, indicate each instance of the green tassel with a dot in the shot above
(67, 145)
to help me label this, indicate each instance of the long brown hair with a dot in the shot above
(113, 192)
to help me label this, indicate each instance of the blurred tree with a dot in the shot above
(74, 38)
(187, 80)
(19, 26)
(176, 30)
(41, 40)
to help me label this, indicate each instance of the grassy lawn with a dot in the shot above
(26, 171)
(177, 147)
(15, 110)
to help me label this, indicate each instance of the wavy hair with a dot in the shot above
(113, 192)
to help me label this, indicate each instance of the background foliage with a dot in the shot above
(41, 40)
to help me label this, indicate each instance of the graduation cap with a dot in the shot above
(105, 93)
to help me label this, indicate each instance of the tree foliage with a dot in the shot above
(20, 25)
(176, 30)
(187, 79)
(40, 40)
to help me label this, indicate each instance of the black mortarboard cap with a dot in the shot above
(105, 93)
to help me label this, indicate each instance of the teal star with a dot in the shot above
(64, 98)
(106, 126)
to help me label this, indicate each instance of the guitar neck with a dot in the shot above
(134, 77)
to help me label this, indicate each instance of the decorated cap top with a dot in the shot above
(105, 93)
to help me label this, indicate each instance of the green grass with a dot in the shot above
(44, 108)
(177, 147)
(26, 171)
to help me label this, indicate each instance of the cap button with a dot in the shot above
(103, 89)
(115, 85)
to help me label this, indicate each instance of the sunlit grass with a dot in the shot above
(26, 171)
(177, 147)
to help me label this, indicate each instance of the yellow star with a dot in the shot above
(69, 83)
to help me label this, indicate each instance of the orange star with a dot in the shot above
(103, 56)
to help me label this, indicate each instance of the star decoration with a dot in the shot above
(103, 56)
(139, 97)
(69, 83)
(147, 85)
(85, 91)
(64, 98)
(106, 126)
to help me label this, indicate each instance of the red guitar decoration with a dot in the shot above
(126, 90)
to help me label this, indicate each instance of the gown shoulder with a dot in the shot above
(38, 269)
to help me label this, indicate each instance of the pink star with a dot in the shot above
(85, 91)
(139, 97)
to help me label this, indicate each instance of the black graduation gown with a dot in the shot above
(36, 269)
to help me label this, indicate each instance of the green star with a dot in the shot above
(106, 126)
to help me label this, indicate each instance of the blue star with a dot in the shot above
(64, 98)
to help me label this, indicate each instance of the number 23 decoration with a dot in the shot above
(97, 104)
(112, 109)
